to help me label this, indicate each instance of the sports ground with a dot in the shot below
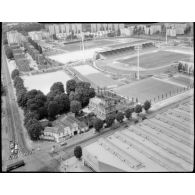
(155, 59)
(96, 77)
(147, 89)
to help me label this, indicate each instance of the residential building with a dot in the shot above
(102, 107)
(171, 32)
(36, 35)
(14, 37)
(57, 134)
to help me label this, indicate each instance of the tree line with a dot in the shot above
(35, 45)
(119, 116)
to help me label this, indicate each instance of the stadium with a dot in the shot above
(154, 58)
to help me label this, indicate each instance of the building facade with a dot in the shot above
(102, 107)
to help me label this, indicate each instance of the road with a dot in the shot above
(13, 118)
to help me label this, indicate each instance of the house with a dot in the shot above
(57, 134)
(102, 107)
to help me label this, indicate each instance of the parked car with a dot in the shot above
(11, 144)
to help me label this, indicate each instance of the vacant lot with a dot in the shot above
(147, 89)
(156, 59)
(44, 81)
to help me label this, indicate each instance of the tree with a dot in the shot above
(9, 53)
(21, 98)
(18, 82)
(57, 88)
(28, 116)
(78, 152)
(15, 73)
(97, 124)
(75, 106)
(70, 86)
(147, 105)
(128, 113)
(138, 108)
(35, 130)
(110, 119)
(53, 110)
(5, 42)
(180, 67)
(63, 102)
(120, 117)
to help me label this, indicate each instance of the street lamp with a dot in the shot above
(138, 48)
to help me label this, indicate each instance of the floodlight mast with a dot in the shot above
(138, 47)
(82, 42)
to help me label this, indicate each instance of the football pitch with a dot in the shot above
(147, 89)
(155, 59)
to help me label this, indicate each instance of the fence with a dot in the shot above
(167, 95)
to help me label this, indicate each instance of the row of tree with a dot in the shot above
(8, 52)
(184, 68)
(35, 45)
(119, 116)
(31, 122)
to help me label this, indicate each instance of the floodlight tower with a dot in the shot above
(166, 35)
(138, 48)
(82, 43)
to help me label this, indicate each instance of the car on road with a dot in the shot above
(12, 151)
(16, 146)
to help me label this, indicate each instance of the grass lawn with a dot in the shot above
(147, 89)
(94, 76)
(89, 44)
(156, 59)
(182, 80)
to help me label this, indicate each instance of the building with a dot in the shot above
(65, 128)
(126, 31)
(35, 35)
(171, 32)
(55, 133)
(102, 107)
(14, 37)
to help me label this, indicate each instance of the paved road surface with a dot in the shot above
(13, 117)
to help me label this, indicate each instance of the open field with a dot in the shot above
(155, 59)
(147, 89)
(44, 81)
(155, 145)
(95, 76)
(90, 44)
(183, 80)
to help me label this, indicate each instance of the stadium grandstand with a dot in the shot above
(120, 49)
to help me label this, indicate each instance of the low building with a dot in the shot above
(57, 134)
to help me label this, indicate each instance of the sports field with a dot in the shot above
(147, 89)
(44, 81)
(182, 80)
(96, 77)
(155, 59)
(91, 44)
